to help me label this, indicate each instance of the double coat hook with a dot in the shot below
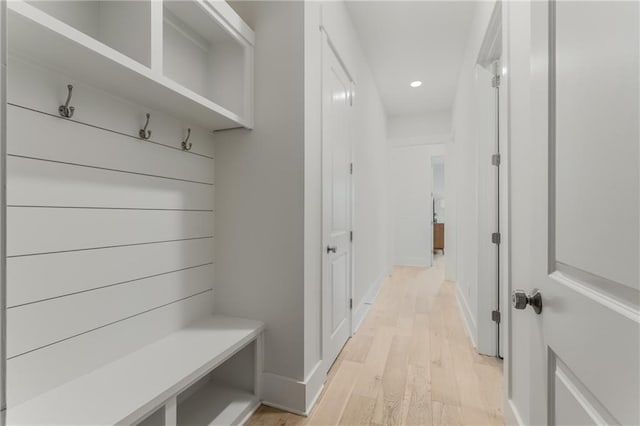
(186, 145)
(65, 110)
(144, 133)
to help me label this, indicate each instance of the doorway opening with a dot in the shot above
(438, 205)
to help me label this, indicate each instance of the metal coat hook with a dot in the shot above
(186, 145)
(66, 110)
(144, 133)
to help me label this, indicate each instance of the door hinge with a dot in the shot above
(350, 168)
(495, 316)
(495, 160)
(496, 238)
(351, 236)
(350, 303)
(495, 81)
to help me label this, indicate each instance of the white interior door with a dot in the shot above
(586, 340)
(336, 203)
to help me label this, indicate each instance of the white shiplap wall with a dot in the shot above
(110, 238)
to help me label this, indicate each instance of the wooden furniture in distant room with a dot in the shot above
(438, 237)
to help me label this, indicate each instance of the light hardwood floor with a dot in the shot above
(411, 362)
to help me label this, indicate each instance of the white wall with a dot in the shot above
(412, 185)
(259, 221)
(438, 179)
(371, 249)
(113, 231)
(419, 129)
(268, 188)
(371, 218)
(3, 229)
(463, 155)
(414, 140)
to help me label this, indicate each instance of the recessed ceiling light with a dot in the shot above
(416, 83)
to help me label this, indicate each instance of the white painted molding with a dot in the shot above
(361, 311)
(511, 414)
(283, 393)
(314, 383)
(3, 201)
(293, 395)
(244, 420)
(467, 317)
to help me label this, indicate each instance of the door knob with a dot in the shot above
(520, 300)
(332, 249)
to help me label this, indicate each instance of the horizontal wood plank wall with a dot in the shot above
(48, 367)
(110, 238)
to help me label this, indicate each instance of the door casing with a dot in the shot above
(491, 337)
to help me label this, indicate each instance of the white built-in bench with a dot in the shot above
(205, 374)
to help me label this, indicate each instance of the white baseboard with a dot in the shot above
(511, 414)
(360, 312)
(314, 384)
(250, 413)
(371, 295)
(293, 395)
(467, 317)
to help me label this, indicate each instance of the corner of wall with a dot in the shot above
(312, 187)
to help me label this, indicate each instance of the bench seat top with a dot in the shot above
(129, 388)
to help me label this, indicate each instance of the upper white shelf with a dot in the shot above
(192, 59)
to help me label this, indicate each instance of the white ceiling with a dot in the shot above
(414, 40)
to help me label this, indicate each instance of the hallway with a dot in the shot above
(411, 362)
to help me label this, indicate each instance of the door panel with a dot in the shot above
(574, 407)
(586, 346)
(596, 133)
(340, 158)
(574, 403)
(597, 339)
(336, 200)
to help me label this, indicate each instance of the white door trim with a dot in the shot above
(354, 326)
(493, 49)
(505, 262)
(3, 200)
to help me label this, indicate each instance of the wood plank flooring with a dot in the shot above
(410, 363)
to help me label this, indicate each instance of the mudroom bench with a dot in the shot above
(207, 373)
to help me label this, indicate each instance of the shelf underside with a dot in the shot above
(40, 38)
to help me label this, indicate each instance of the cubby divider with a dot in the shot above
(193, 59)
